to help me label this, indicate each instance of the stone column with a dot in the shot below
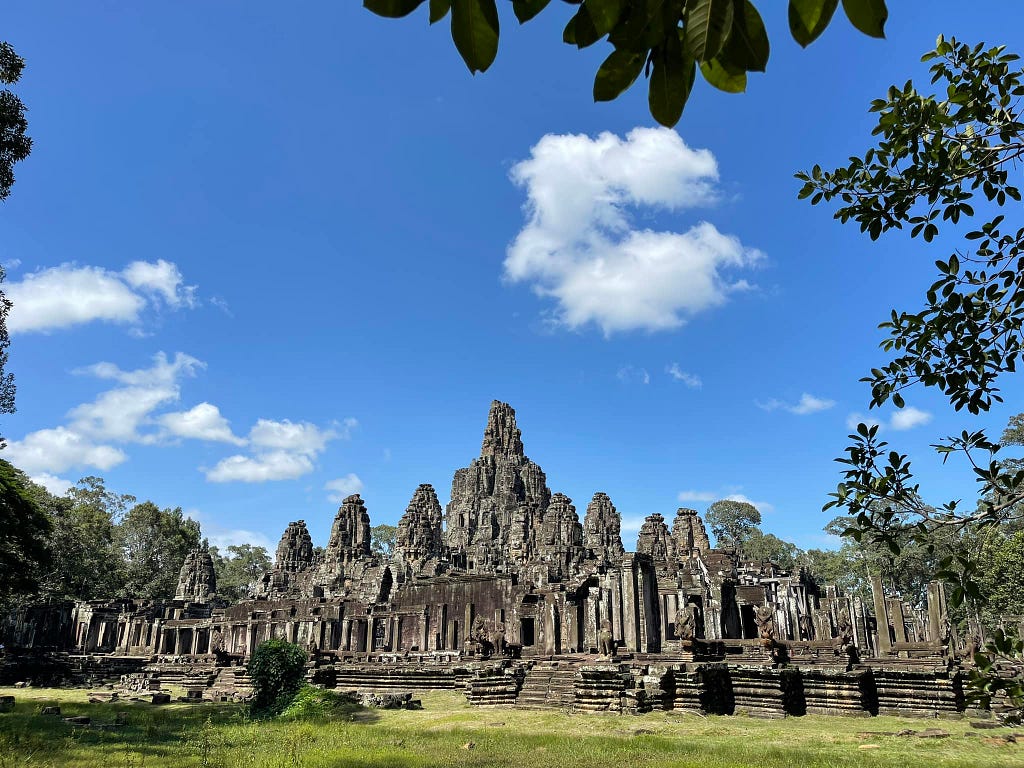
(570, 634)
(713, 614)
(630, 614)
(549, 629)
(615, 591)
(672, 607)
(881, 616)
(899, 620)
(936, 610)
(592, 619)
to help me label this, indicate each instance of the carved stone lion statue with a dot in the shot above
(605, 640)
(685, 627)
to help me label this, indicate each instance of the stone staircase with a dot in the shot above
(548, 685)
(400, 678)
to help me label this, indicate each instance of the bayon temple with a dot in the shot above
(512, 595)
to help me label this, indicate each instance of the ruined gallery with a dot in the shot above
(512, 595)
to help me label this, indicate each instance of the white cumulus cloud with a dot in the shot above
(581, 247)
(69, 295)
(202, 422)
(901, 420)
(58, 486)
(118, 414)
(281, 450)
(47, 451)
(161, 278)
(274, 465)
(908, 418)
(343, 486)
(806, 405)
(691, 380)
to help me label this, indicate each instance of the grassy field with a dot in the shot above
(447, 732)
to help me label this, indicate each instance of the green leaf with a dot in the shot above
(809, 18)
(527, 9)
(475, 32)
(747, 47)
(584, 32)
(724, 78)
(392, 9)
(643, 28)
(867, 15)
(619, 71)
(439, 9)
(569, 33)
(708, 23)
(604, 14)
(671, 81)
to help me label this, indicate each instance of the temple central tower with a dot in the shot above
(497, 502)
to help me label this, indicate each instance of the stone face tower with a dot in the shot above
(497, 502)
(197, 582)
(560, 542)
(350, 534)
(295, 550)
(654, 539)
(419, 540)
(602, 530)
(689, 533)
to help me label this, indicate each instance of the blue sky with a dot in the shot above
(264, 257)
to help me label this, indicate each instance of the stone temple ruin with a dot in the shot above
(507, 594)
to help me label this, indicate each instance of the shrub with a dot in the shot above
(276, 669)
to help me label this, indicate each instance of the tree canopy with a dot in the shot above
(665, 40)
(731, 522)
(15, 145)
(239, 570)
(153, 543)
(24, 527)
(382, 539)
(936, 157)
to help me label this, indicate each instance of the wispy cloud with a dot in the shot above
(632, 373)
(707, 497)
(691, 380)
(343, 486)
(806, 405)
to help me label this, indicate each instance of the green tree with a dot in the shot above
(935, 157)
(382, 539)
(153, 543)
(768, 546)
(87, 563)
(14, 144)
(1002, 579)
(276, 669)
(732, 522)
(24, 529)
(240, 570)
(666, 40)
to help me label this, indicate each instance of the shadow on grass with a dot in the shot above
(148, 731)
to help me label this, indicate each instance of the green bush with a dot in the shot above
(276, 670)
(312, 703)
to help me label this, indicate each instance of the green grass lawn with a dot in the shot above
(448, 732)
